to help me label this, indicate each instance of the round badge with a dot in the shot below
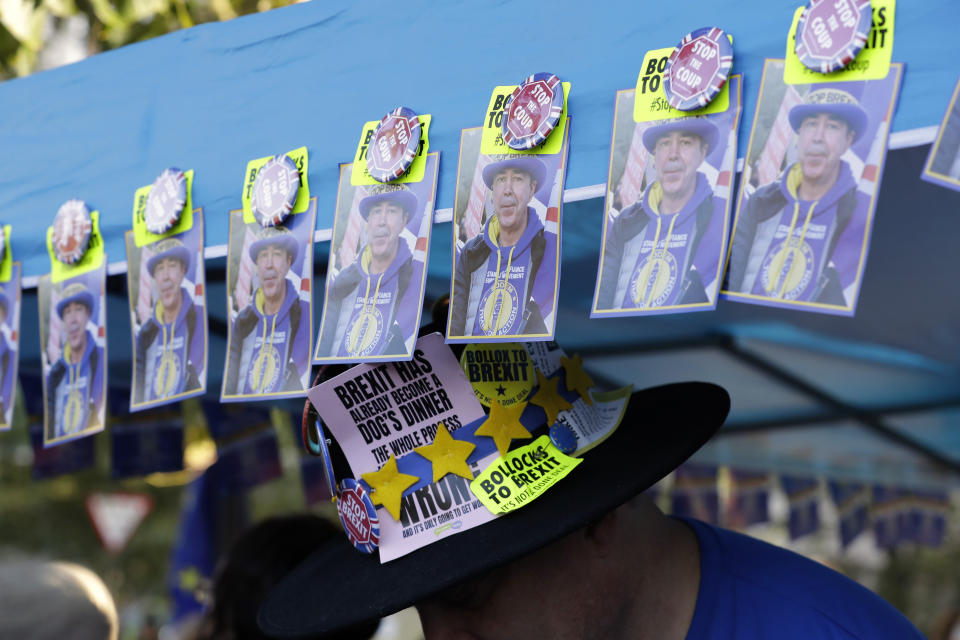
(831, 33)
(532, 111)
(71, 231)
(358, 516)
(500, 372)
(394, 145)
(323, 451)
(697, 69)
(167, 197)
(563, 437)
(275, 190)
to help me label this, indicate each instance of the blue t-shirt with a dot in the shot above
(753, 590)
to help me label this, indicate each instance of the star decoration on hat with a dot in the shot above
(577, 379)
(503, 425)
(549, 398)
(388, 485)
(447, 455)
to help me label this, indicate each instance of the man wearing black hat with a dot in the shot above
(651, 250)
(592, 558)
(269, 341)
(496, 288)
(7, 360)
(170, 347)
(788, 231)
(74, 392)
(367, 311)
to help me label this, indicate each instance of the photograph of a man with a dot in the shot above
(366, 299)
(74, 383)
(800, 238)
(506, 274)
(170, 346)
(269, 346)
(943, 161)
(9, 349)
(650, 248)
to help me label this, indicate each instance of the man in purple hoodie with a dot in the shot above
(654, 254)
(369, 311)
(170, 347)
(496, 288)
(270, 342)
(787, 241)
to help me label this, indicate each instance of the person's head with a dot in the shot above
(75, 308)
(273, 252)
(678, 148)
(167, 267)
(513, 181)
(257, 560)
(827, 122)
(386, 214)
(45, 600)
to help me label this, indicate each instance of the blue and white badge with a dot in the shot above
(275, 190)
(167, 197)
(563, 437)
(358, 516)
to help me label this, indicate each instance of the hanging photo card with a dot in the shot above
(943, 163)
(808, 191)
(506, 234)
(9, 330)
(73, 340)
(168, 310)
(377, 270)
(668, 202)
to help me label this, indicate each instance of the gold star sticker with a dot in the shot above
(503, 425)
(447, 455)
(577, 379)
(549, 398)
(388, 485)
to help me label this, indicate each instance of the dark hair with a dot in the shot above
(258, 560)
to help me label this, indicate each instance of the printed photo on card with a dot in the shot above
(667, 210)
(269, 273)
(506, 233)
(808, 192)
(377, 270)
(168, 317)
(9, 344)
(73, 336)
(943, 163)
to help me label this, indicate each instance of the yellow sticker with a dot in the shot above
(872, 63)
(650, 102)
(501, 372)
(491, 141)
(521, 476)
(301, 159)
(141, 235)
(417, 167)
(6, 262)
(92, 258)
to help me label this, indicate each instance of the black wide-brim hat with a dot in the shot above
(338, 586)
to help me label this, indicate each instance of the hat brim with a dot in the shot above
(180, 253)
(700, 127)
(531, 165)
(406, 199)
(852, 114)
(286, 241)
(85, 298)
(338, 586)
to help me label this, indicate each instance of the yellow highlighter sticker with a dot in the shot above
(141, 235)
(521, 476)
(499, 372)
(872, 63)
(491, 140)
(300, 158)
(361, 178)
(650, 102)
(92, 258)
(6, 262)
